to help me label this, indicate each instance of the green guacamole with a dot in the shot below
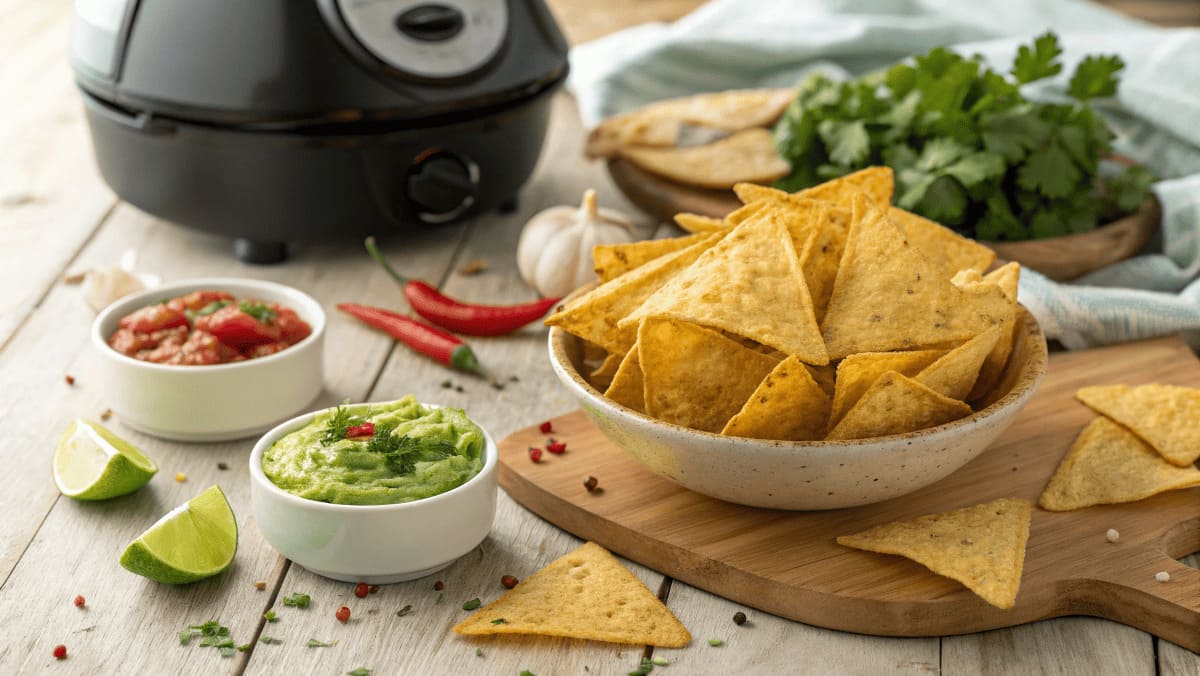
(416, 452)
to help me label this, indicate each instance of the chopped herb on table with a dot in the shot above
(499, 620)
(359, 672)
(715, 642)
(314, 643)
(407, 609)
(472, 604)
(478, 652)
(644, 668)
(659, 661)
(440, 596)
(243, 647)
(212, 635)
(297, 600)
(526, 672)
(268, 640)
(270, 616)
(969, 150)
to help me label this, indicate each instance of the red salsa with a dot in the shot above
(208, 327)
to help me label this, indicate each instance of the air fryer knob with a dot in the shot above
(442, 186)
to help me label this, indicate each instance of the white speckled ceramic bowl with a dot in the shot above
(376, 544)
(814, 474)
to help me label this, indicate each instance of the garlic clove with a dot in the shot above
(102, 286)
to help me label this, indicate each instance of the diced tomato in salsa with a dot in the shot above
(153, 318)
(208, 327)
(237, 328)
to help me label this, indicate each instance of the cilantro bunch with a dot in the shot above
(969, 150)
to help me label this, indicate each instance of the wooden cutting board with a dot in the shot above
(787, 563)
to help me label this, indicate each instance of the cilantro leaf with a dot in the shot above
(847, 141)
(945, 201)
(940, 152)
(1014, 132)
(999, 223)
(1046, 223)
(977, 168)
(1050, 172)
(1095, 76)
(1128, 189)
(1040, 61)
(297, 600)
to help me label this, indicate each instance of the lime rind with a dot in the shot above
(92, 463)
(191, 542)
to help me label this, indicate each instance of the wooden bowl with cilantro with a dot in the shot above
(1032, 179)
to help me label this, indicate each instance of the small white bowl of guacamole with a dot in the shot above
(377, 493)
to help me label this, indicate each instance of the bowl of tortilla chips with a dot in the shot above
(811, 350)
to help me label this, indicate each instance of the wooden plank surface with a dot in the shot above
(56, 215)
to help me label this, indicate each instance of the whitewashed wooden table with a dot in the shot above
(57, 216)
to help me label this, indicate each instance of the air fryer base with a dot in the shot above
(268, 188)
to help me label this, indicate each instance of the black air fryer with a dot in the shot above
(278, 120)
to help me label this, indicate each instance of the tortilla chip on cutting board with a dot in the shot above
(585, 594)
(1108, 464)
(983, 546)
(1165, 416)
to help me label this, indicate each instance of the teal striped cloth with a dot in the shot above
(729, 44)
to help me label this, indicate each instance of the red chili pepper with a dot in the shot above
(430, 341)
(358, 431)
(546, 427)
(469, 318)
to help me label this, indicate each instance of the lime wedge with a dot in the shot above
(92, 463)
(193, 541)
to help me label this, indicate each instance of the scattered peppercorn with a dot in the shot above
(70, 381)
(514, 379)
(60, 652)
(374, 589)
(361, 590)
(535, 454)
(106, 414)
(80, 602)
(222, 466)
(342, 614)
(556, 447)
(739, 618)
(590, 483)
(472, 604)
(260, 585)
(439, 585)
(509, 581)
(459, 388)
(180, 477)
(546, 427)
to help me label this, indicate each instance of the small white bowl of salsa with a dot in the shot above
(210, 359)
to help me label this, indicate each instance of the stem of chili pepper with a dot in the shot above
(441, 346)
(469, 318)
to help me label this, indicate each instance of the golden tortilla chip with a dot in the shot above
(699, 224)
(895, 404)
(874, 182)
(627, 385)
(940, 244)
(788, 405)
(992, 371)
(1107, 465)
(750, 283)
(660, 123)
(586, 594)
(696, 377)
(824, 375)
(1165, 416)
(856, 373)
(983, 546)
(747, 155)
(743, 213)
(594, 315)
(889, 296)
(603, 374)
(614, 260)
(954, 374)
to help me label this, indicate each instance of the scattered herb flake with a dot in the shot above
(260, 311)
(478, 652)
(270, 616)
(297, 600)
(645, 667)
(185, 636)
(526, 672)
(359, 672)
(227, 650)
(472, 604)
(714, 642)
(406, 610)
(659, 661)
(243, 647)
(499, 620)
(441, 595)
(314, 643)
(269, 640)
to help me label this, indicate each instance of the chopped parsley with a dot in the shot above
(645, 667)
(260, 311)
(499, 620)
(269, 639)
(270, 616)
(473, 604)
(211, 308)
(212, 635)
(359, 672)
(478, 652)
(314, 643)
(297, 600)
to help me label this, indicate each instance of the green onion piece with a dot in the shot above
(714, 642)
(297, 600)
(270, 616)
(660, 661)
(314, 643)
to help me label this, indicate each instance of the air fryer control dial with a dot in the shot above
(432, 39)
(442, 186)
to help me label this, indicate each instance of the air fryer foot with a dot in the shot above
(259, 252)
(508, 206)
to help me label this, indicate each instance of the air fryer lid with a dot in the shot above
(306, 61)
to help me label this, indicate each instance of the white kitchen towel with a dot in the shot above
(729, 44)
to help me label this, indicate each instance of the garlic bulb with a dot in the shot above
(554, 254)
(102, 286)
